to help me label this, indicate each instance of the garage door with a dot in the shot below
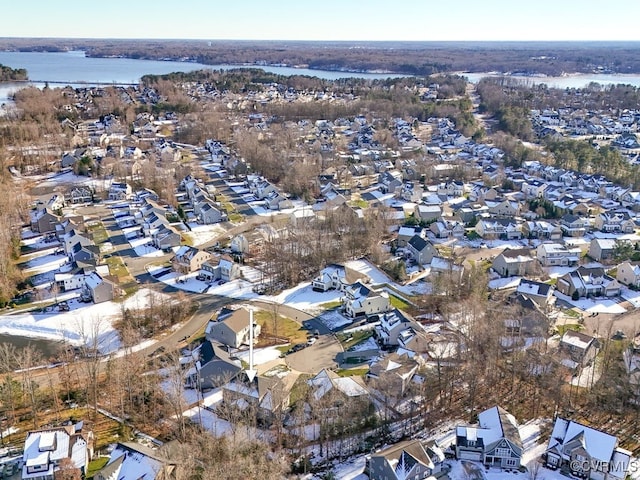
(470, 456)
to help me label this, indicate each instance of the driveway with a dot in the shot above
(314, 358)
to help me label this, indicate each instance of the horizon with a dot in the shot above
(334, 20)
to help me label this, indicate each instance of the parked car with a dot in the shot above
(312, 340)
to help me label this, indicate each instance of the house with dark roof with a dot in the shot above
(586, 452)
(213, 368)
(362, 300)
(495, 441)
(410, 459)
(189, 259)
(588, 282)
(574, 225)
(421, 250)
(539, 292)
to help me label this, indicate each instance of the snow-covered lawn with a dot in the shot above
(240, 289)
(45, 263)
(334, 320)
(591, 305)
(79, 326)
(504, 283)
(633, 297)
(304, 298)
(260, 355)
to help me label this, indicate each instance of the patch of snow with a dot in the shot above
(593, 305)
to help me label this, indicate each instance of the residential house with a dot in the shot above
(615, 222)
(447, 229)
(513, 262)
(555, 254)
(578, 349)
(427, 213)
(326, 381)
(411, 192)
(225, 269)
(337, 277)
(189, 259)
(451, 189)
(504, 208)
(574, 225)
(210, 214)
(213, 367)
(98, 288)
(588, 282)
(84, 253)
(231, 327)
(539, 292)
(45, 450)
(79, 194)
(421, 250)
(495, 441)
(542, 230)
(239, 244)
(266, 396)
(70, 239)
(391, 325)
(406, 233)
(628, 274)
(410, 459)
(134, 461)
(120, 191)
(586, 451)
(362, 300)
(602, 249)
(534, 188)
(44, 221)
(631, 358)
(395, 371)
(166, 237)
(499, 228)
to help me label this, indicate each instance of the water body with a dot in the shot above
(577, 80)
(75, 69)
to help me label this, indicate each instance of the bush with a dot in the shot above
(575, 296)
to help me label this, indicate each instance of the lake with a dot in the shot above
(74, 68)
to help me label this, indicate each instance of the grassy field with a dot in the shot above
(117, 268)
(330, 305)
(285, 327)
(99, 233)
(398, 303)
(568, 326)
(96, 465)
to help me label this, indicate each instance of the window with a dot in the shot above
(511, 462)
(503, 452)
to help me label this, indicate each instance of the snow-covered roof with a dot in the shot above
(599, 445)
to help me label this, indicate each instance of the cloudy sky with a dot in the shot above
(412, 20)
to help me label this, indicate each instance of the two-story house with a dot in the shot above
(362, 300)
(628, 274)
(587, 452)
(45, 450)
(555, 254)
(231, 327)
(495, 441)
(410, 459)
(513, 262)
(189, 259)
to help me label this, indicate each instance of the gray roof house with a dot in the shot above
(495, 441)
(513, 262)
(421, 250)
(415, 459)
(231, 327)
(587, 452)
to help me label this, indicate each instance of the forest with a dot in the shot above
(8, 74)
(412, 58)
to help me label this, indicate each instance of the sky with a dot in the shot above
(347, 20)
